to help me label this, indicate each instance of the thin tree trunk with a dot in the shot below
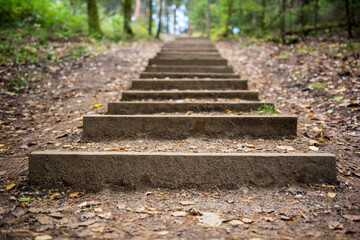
(73, 6)
(137, 9)
(302, 17)
(348, 17)
(208, 18)
(167, 29)
(175, 10)
(282, 23)
(316, 8)
(160, 17)
(263, 12)
(93, 19)
(189, 30)
(127, 7)
(150, 17)
(229, 14)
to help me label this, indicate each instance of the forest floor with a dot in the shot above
(318, 80)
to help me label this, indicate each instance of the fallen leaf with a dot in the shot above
(285, 218)
(55, 195)
(247, 220)
(10, 186)
(186, 203)
(210, 219)
(193, 212)
(314, 143)
(56, 215)
(249, 145)
(179, 214)
(235, 223)
(313, 148)
(88, 215)
(45, 220)
(331, 195)
(98, 210)
(105, 215)
(148, 210)
(121, 206)
(83, 204)
(335, 225)
(162, 233)
(316, 129)
(99, 229)
(287, 148)
(355, 218)
(43, 237)
(96, 105)
(74, 195)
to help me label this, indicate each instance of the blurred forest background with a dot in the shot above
(31, 30)
(124, 19)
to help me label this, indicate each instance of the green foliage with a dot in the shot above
(18, 84)
(267, 109)
(319, 85)
(55, 16)
(252, 18)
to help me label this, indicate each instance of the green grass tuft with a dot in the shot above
(267, 109)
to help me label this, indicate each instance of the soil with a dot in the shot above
(48, 116)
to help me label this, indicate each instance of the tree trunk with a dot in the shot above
(93, 19)
(127, 7)
(302, 17)
(73, 6)
(208, 18)
(282, 22)
(137, 9)
(160, 17)
(150, 17)
(167, 28)
(316, 8)
(229, 13)
(175, 10)
(189, 30)
(348, 18)
(263, 11)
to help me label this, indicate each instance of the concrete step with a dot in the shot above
(188, 69)
(94, 171)
(189, 50)
(130, 108)
(181, 84)
(187, 55)
(107, 127)
(129, 95)
(179, 54)
(189, 45)
(173, 75)
(189, 61)
(201, 44)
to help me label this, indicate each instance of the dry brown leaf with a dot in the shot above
(74, 195)
(186, 203)
(55, 195)
(10, 186)
(331, 195)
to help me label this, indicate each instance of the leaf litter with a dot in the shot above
(328, 115)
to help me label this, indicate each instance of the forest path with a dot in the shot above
(248, 212)
(134, 170)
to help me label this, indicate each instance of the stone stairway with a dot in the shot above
(181, 83)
